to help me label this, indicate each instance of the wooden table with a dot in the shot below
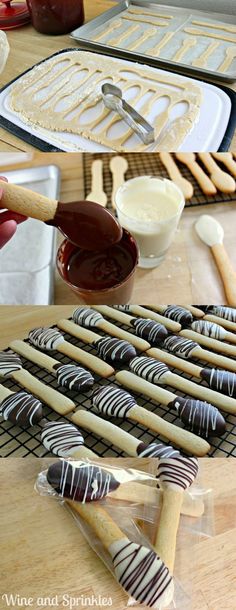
(188, 274)
(43, 553)
(29, 47)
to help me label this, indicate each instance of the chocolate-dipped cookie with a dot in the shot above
(178, 314)
(149, 369)
(150, 330)
(156, 450)
(83, 483)
(221, 381)
(61, 438)
(45, 338)
(180, 346)
(227, 313)
(9, 363)
(115, 350)
(73, 377)
(199, 416)
(112, 401)
(209, 329)
(87, 317)
(22, 409)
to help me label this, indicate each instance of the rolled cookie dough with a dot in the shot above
(58, 79)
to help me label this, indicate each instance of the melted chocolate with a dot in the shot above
(87, 225)
(200, 417)
(85, 483)
(100, 270)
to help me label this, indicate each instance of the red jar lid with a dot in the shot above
(13, 16)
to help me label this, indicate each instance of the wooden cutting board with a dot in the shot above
(44, 554)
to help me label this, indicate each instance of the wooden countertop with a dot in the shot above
(29, 47)
(188, 274)
(43, 553)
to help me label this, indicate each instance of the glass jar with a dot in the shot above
(56, 16)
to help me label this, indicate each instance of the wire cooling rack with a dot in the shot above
(148, 163)
(18, 442)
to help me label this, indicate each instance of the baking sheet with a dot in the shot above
(181, 17)
(17, 442)
(27, 263)
(215, 112)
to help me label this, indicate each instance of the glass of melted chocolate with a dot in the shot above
(101, 277)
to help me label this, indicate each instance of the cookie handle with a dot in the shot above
(58, 402)
(25, 350)
(4, 393)
(115, 331)
(83, 453)
(137, 384)
(106, 430)
(99, 520)
(85, 335)
(165, 543)
(88, 360)
(227, 273)
(175, 362)
(200, 392)
(184, 439)
(26, 202)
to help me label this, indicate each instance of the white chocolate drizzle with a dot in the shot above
(87, 317)
(178, 473)
(180, 346)
(46, 338)
(9, 363)
(115, 349)
(142, 573)
(112, 401)
(149, 369)
(61, 438)
(73, 377)
(209, 329)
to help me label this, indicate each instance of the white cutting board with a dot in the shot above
(206, 135)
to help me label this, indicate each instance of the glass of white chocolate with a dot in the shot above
(150, 208)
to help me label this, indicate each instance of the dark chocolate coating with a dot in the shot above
(22, 409)
(199, 416)
(221, 381)
(73, 377)
(85, 483)
(113, 401)
(156, 450)
(179, 314)
(115, 350)
(150, 330)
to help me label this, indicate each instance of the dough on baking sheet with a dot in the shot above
(230, 55)
(226, 27)
(63, 94)
(143, 19)
(143, 11)
(210, 35)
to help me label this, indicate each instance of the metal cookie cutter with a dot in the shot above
(112, 97)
